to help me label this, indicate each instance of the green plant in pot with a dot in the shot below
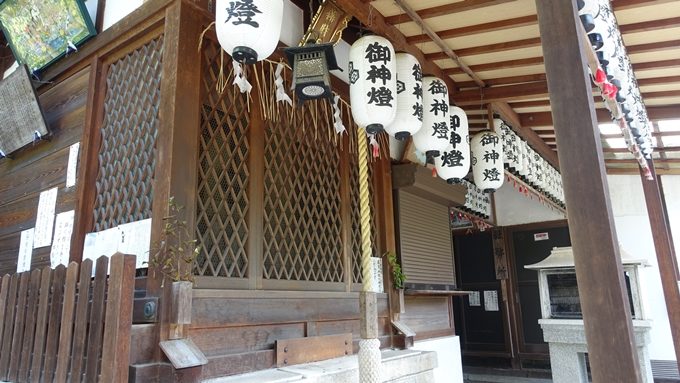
(175, 249)
(398, 275)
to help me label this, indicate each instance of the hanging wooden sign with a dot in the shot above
(21, 119)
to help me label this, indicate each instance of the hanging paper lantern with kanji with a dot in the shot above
(373, 83)
(248, 30)
(454, 163)
(487, 161)
(409, 117)
(433, 138)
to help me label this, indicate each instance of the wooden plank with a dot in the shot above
(41, 324)
(94, 341)
(19, 323)
(304, 350)
(606, 310)
(116, 351)
(80, 331)
(661, 235)
(447, 9)
(4, 293)
(54, 324)
(256, 155)
(486, 49)
(6, 347)
(29, 329)
(66, 332)
(498, 25)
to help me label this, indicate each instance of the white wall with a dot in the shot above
(515, 208)
(450, 366)
(115, 10)
(635, 235)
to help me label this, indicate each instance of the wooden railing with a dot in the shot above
(62, 325)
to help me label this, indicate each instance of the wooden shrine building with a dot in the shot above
(151, 150)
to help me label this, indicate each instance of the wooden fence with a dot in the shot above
(62, 325)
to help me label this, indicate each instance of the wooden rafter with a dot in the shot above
(478, 28)
(440, 43)
(447, 9)
(491, 48)
(498, 65)
(510, 80)
(653, 25)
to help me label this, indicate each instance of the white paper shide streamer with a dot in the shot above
(240, 79)
(281, 94)
(337, 116)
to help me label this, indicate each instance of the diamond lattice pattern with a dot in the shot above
(127, 155)
(221, 225)
(302, 220)
(356, 217)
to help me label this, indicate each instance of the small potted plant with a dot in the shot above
(174, 257)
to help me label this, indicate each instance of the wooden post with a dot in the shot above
(604, 302)
(664, 252)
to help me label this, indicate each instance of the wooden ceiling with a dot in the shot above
(491, 50)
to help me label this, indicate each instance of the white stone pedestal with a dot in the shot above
(567, 341)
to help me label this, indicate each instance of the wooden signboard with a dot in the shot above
(21, 118)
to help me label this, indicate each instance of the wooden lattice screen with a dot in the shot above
(302, 219)
(127, 155)
(222, 203)
(356, 218)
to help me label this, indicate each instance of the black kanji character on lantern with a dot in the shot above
(376, 52)
(440, 129)
(400, 87)
(453, 158)
(418, 111)
(489, 139)
(417, 72)
(418, 91)
(380, 96)
(491, 175)
(455, 139)
(243, 11)
(381, 73)
(439, 106)
(455, 121)
(491, 156)
(437, 87)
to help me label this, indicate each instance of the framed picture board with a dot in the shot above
(21, 119)
(42, 31)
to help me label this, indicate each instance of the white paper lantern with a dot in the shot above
(373, 83)
(409, 117)
(454, 163)
(487, 161)
(433, 137)
(248, 30)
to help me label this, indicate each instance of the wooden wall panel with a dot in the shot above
(427, 313)
(41, 167)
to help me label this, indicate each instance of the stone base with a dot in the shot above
(567, 342)
(398, 366)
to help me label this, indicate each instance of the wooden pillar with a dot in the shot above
(664, 252)
(604, 302)
(177, 145)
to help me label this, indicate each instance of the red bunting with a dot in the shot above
(600, 76)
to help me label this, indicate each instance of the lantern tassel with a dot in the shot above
(281, 94)
(240, 79)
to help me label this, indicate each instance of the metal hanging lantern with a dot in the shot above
(311, 64)
(249, 30)
(487, 161)
(373, 83)
(409, 118)
(433, 137)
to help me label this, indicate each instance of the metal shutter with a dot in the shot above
(425, 240)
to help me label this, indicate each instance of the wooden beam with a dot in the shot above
(497, 65)
(491, 48)
(654, 134)
(500, 25)
(668, 267)
(625, 150)
(653, 47)
(536, 142)
(606, 310)
(525, 91)
(439, 42)
(447, 9)
(663, 64)
(511, 80)
(634, 161)
(537, 119)
(368, 15)
(635, 170)
(622, 5)
(652, 25)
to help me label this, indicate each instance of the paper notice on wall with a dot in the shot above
(44, 222)
(377, 269)
(25, 250)
(135, 238)
(132, 238)
(61, 246)
(491, 300)
(474, 300)
(72, 168)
